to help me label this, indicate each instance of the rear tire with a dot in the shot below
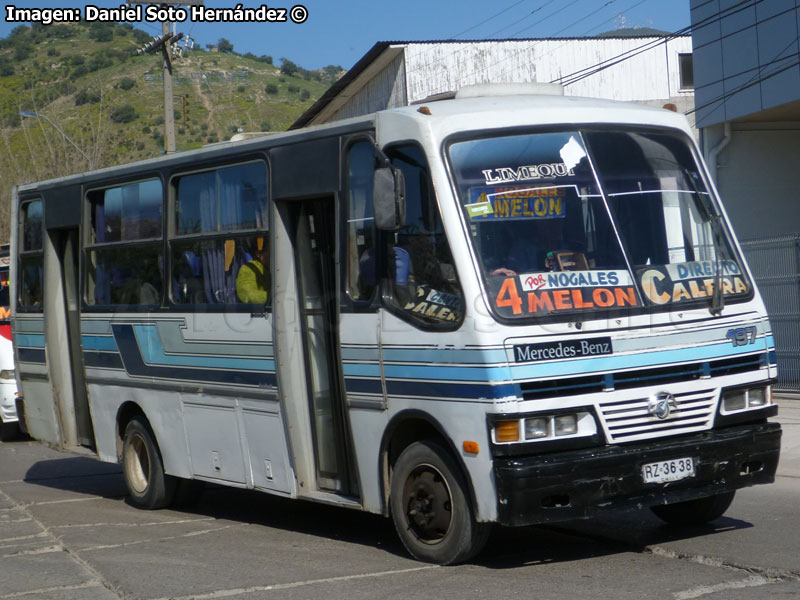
(149, 487)
(430, 506)
(694, 512)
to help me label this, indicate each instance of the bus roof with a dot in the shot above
(496, 112)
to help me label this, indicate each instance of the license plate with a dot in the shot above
(668, 470)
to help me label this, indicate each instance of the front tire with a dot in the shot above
(430, 506)
(148, 486)
(694, 512)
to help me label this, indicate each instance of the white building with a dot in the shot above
(653, 70)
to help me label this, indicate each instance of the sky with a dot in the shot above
(339, 33)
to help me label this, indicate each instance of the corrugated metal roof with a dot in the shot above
(373, 53)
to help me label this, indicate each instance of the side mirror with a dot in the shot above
(389, 198)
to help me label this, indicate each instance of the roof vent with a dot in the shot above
(483, 90)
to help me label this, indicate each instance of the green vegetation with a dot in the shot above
(89, 81)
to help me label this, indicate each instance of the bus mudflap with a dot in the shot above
(579, 484)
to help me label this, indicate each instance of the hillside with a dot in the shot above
(88, 81)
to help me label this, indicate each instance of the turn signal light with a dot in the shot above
(470, 447)
(506, 431)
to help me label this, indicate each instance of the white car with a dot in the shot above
(9, 422)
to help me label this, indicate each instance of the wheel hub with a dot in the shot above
(428, 504)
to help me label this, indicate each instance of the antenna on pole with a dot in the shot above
(164, 43)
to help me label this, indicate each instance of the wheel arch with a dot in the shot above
(126, 412)
(405, 428)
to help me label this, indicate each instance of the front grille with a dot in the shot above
(628, 420)
(623, 380)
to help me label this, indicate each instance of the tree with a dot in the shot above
(124, 114)
(225, 46)
(126, 83)
(288, 67)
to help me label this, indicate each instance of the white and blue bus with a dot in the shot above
(505, 307)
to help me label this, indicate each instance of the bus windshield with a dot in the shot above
(569, 221)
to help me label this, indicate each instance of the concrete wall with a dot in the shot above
(759, 179)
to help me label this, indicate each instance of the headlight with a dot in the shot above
(7, 374)
(566, 425)
(544, 427)
(743, 399)
(536, 428)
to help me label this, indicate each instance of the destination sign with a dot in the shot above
(505, 203)
(690, 281)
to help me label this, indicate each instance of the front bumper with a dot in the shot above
(8, 404)
(578, 484)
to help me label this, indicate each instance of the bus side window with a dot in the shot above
(30, 260)
(421, 271)
(125, 260)
(361, 264)
(219, 243)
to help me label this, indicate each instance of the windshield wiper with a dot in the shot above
(714, 218)
(718, 298)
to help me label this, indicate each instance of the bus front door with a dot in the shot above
(314, 240)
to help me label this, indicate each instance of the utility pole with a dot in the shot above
(164, 43)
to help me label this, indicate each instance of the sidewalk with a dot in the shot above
(789, 418)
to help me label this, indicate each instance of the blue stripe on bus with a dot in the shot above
(363, 386)
(136, 366)
(447, 372)
(629, 361)
(454, 391)
(30, 340)
(31, 355)
(153, 354)
(450, 355)
(102, 360)
(361, 370)
(96, 342)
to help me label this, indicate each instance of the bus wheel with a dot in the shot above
(430, 506)
(694, 512)
(149, 487)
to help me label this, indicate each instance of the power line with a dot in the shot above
(609, 3)
(775, 60)
(462, 50)
(583, 34)
(490, 18)
(615, 60)
(540, 21)
(528, 16)
(726, 95)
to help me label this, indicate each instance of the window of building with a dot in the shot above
(686, 68)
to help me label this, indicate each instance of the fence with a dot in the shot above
(775, 262)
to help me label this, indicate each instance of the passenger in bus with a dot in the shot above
(530, 246)
(517, 246)
(252, 281)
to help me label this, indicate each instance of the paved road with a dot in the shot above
(66, 533)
